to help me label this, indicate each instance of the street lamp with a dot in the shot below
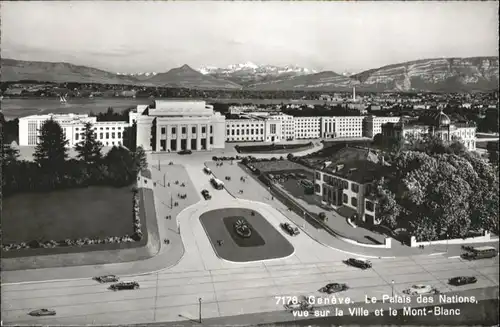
(447, 238)
(392, 284)
(199, 300)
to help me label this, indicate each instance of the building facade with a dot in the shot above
(437, 124)
(347, 182)
(109, 133)
(307, 127)
(372, 125)
(174, 125)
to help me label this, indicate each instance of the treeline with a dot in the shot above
(52, 170)
(111, 115)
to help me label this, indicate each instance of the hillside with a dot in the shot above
(439, 75)
(445, 74)
(187, 77)
(324, 81)
(60, 72)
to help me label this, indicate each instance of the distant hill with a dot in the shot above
(57, 72)
(187, 77)
(427, 75)
(444, 74)
(324, 81)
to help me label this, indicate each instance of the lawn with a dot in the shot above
(69, 214)
(279, 165)
(265, 243)
(273, 148)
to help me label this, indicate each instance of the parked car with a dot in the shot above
(206, 194)
(106, 279)
(358, 263)
(290, 229)
(207, 171)
(185, 152)
(299, 303)
(462, 280)
(334, 288)
(420, 289)
(42, 312)
(124, 286)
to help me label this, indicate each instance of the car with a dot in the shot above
(421, 289)
(358, 263)
(298, 303)
(290, 229)
(333, 288)
(42, 312)
(462, 280)
(106, 279)
(185, 152)
(124, 286)
(206, 194)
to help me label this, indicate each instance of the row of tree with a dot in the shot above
(437, 191)
(52, 169)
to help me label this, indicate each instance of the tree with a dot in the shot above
(120, 166)
(89, 149)
(492, 148)
(9, 155)
(140, 160)
(439, 194)
(130, 137)
(51, 151)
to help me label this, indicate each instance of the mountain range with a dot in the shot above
(436, 75)
(250, 73)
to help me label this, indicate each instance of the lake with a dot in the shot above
(17, 108)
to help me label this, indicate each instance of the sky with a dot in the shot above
(148, 36)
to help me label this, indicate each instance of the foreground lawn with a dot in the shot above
(75, 213)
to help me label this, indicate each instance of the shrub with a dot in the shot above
(322, 216)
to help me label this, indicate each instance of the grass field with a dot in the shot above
(78, 213)
(274, 148)
(279, 165)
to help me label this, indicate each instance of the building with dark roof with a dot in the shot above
(436, 124)
(346, 181)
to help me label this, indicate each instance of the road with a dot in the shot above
(227, 288)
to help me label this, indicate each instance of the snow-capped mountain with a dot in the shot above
(139, 76)
(250, 73)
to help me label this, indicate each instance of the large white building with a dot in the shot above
(372, 125)
(292, 128)
(174, 125)
(436, 124)
(109, 133)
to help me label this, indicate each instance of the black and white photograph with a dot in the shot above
(249, 163)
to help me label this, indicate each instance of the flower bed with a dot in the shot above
(136, 236)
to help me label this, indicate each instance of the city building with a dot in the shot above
(436, 124)
(109, 133)
(174, 125)
(372, 125)
(307, 127)
(345, 181)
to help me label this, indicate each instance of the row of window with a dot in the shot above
(101, 128)
(184, 130)
(245, 125)
(119, 135)
(248, 131)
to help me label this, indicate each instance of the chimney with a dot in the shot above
(354, 93)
